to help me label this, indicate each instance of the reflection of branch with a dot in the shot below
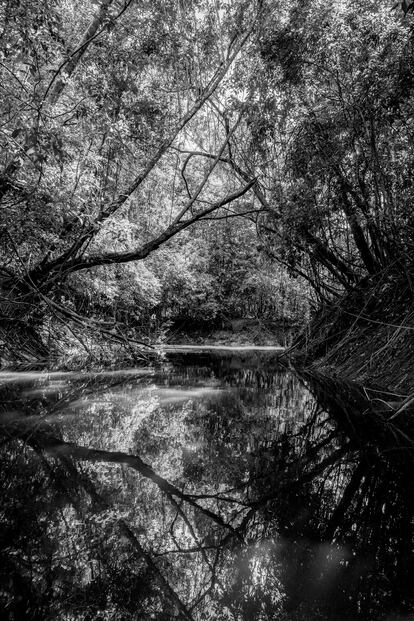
(200, 548)
(290, 485)
(192, 550)
(190, 528)
(211, 586)
(57, 447)
(123, 527)
(346, 500)
(127, 532)
(218, 496)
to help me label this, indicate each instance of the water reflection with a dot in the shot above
(218, 487)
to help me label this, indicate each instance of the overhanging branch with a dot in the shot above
(143, 251)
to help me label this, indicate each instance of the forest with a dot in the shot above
(206, 310)
(198, 162)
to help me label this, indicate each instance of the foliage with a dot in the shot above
(101, 103)
(245, 151)
(331, 135)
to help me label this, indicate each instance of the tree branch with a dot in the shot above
(115, 205)
(81, 263)
(54, 89)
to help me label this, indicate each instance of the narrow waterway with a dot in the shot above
(221, 485)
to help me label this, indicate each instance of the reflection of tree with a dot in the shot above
(372, 514)
(40, 565)
(249, 510)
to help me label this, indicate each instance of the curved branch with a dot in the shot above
(115, 205)
(142, 252)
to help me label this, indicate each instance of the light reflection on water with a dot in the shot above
(220, 486)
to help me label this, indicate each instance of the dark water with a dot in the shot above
(217, 487)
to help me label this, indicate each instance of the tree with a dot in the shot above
(95, 97)
(327, 136)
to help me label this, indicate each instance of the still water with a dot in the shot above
(218, 486)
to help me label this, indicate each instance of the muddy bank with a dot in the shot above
(367, 336)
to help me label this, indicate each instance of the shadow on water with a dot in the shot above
(220, 486)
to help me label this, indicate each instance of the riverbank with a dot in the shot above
(238, 333)
(367, 336)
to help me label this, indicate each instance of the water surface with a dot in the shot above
(221, 485)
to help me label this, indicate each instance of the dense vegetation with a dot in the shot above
(198, 160)
(203, 163)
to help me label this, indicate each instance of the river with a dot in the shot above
(219, 485)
